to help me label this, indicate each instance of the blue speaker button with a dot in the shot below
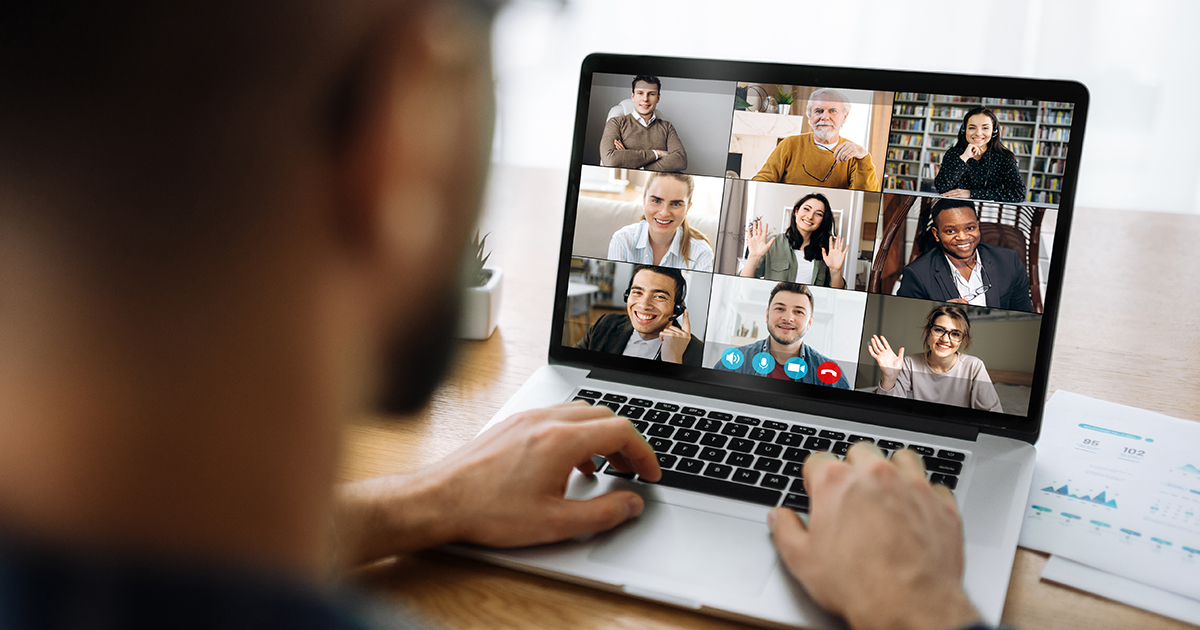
(732, 358)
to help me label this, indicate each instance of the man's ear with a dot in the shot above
(409, 169)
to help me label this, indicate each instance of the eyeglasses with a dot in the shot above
(821, 179)
(977, 292)
(939, 332)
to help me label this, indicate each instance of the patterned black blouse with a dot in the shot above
(993, 176)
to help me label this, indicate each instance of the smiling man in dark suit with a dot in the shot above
(963, 270)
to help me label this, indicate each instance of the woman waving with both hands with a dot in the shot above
(809, 253)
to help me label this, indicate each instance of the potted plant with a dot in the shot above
(785, 100)
(480, 310)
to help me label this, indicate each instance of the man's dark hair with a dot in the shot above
(646, 79)
(670, 272)
(793, 287)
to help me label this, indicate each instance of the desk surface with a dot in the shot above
(1125, 335)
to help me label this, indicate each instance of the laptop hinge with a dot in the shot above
(841, 411)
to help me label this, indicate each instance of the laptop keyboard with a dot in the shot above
(745, 458)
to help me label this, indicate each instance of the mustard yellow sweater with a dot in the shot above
(794, 154)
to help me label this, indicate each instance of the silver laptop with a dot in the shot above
(745, 250)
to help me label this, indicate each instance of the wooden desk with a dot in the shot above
(1126, 334)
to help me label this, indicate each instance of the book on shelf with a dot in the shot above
(906, 139)
(1057, 134)
(908, 124)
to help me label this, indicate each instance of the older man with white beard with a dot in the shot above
(822, 157)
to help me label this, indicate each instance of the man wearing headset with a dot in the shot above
(656, 324)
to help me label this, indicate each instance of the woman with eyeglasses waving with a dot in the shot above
(943, 373)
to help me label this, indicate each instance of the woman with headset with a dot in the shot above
(979, 166)
(810, 252)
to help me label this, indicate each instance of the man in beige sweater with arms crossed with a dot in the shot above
(642, 139)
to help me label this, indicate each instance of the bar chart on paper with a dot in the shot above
(1116, 489)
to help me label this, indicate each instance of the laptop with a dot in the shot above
(940, 206)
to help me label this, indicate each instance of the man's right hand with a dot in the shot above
(882, 548)
(618, 145)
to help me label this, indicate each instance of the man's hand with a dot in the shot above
(503, 489)
(882, 548)
(847, 151)
(620, 146)
(958, 193)
(675, 339)
(658, 155)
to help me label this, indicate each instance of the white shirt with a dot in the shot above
(632, 244)
(804, 268)
(645, 123)
(638, 347)
(967, 287)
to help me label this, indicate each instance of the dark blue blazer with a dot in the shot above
(928, 278)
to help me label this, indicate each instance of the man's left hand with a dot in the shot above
(675, 339)
(505, 488)
(847, 151)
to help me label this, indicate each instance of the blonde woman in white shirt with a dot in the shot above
(663, 236)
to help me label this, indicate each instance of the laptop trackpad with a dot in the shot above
(692, 547)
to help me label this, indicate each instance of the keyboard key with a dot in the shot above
(944, 466)
(747, 420)
(886, 453)
(694, 411)
(710, 454)
(666, 407)
(641, 426)
(888, 444)
(712, 426)
(796, 454)
(832, 435)
(589, 393)
(762, 435)
(766, 449)
(742, 475)
(951, 455)
(921, 450)
(797, 502)
(839, 448)
(790, 439)
(712, 439)
(609, 470)
(681, 420)
(660, 445)
(797, 487)
(945, 480)
(615, 398)
(716, 487)
(720, 415)
(860, 438)
(657, 415)
(615, 406)
(629, 411)
(741, 460)
(802, 430)
(685, 449)
(660, 430)
(775, 425)
(688, 435)
(735, 430)
(741, 445)
(793, 469)
(768, 465)
(817, 444)
(718, 471)
(590, 401)
(775, 482)
(693, 466)
(665, 460)
(640, 402)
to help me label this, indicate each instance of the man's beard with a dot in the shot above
(799, 337)
(825, 134)
(417, 359)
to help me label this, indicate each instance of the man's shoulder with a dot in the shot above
(812, 353)
(925, 262)
(999, 252)
(798, 140)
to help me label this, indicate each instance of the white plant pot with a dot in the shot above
(480, 310)
(785, 109)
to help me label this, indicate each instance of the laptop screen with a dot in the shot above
(885, 240)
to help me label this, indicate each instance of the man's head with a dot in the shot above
(827, 111)
(955, 226)
(789, 313)
(222, 204)
(651, 298)
(646, 92)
